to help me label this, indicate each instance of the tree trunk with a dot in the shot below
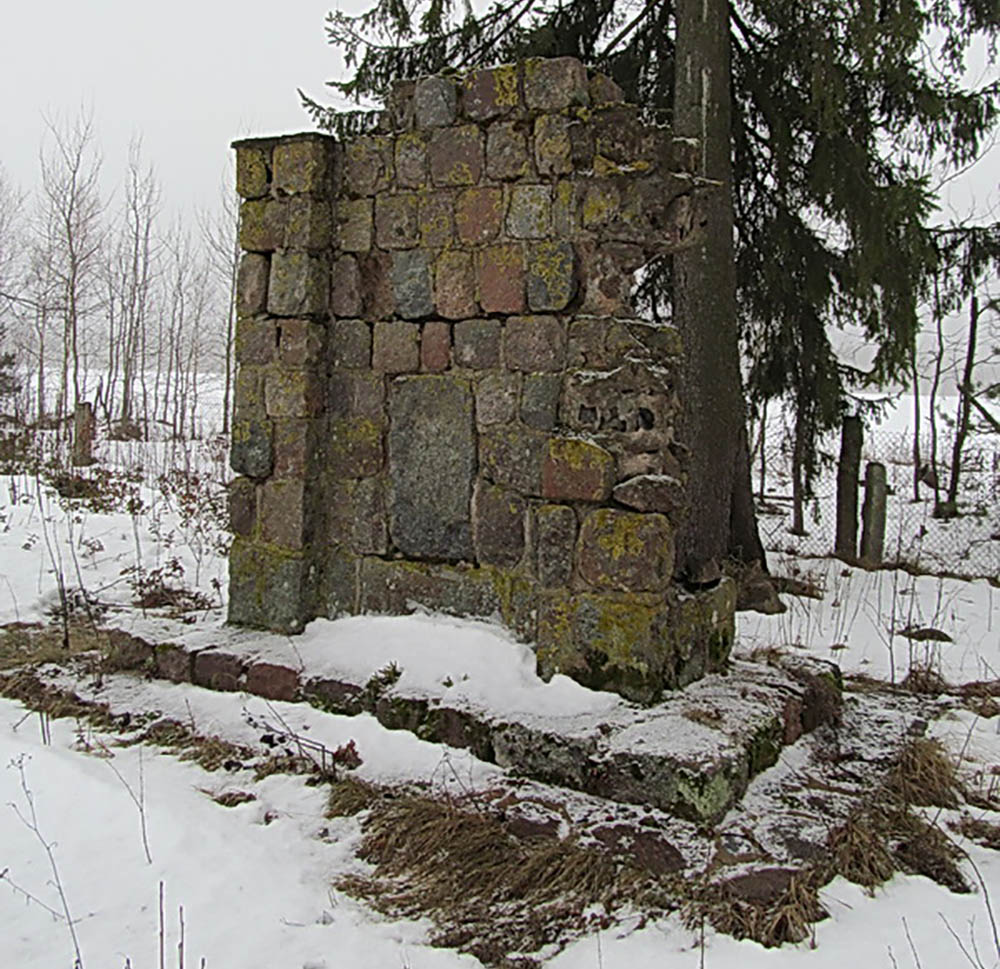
(848, 472)
(713, 422)
(962, 424)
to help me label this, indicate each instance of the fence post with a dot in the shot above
(84, 427)
(873, 514)
(848, 471)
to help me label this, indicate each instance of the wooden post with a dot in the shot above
(848, 472)
(84, 427)
(873, 514)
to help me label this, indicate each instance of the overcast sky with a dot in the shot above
(188, 76)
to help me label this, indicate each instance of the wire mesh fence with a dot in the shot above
(968, 544)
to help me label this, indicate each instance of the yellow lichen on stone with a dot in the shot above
(619, 533)
(505, 85)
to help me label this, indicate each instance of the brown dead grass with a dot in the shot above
(349, 796)
(924, 775)
(982, 832)
(30, 644)
(859, 851)
(488, 892)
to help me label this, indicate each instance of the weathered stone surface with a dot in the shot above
(399, 112)
(478, 215)
(435, 346)
(272, 681)
(377, 296)
(553, 149)
(643, 848)
(251, 284)
(432, 460)
(555, 83)
(350, 343)
(577, 470)
(354, 225)
(507, 152)
(500, 279)
(534, 343)
(566, 196)
(299, 284)
(555, 531)
(356, 395)
(303, 165)
(396, 225)
(456, 155)
(251, 452)
(294, 441)
(540, 400)
(345, 287)
(455, 285)
(601, 203)
(411, 283)
(435, 101)
(368, 164)
(218, 671)
(411, 160)
(701, 628)
(356, 512)
(242, 506)
(551, 275)
(256, 341)
(300, 342)
(251, 172)
(262, 225)
(627, 551)
(356, 448)
(530, 213)
(491, 93)
(283, 516)
(339, 593)
(477, 344)
(512, 456)
(267, 588)
(173, 662)
(396, 347)
(649, 492)
(435, 218)
(498, 524)
(308, 223)
(496, 399)
(622, 142)
(293, 393)
(604, 91)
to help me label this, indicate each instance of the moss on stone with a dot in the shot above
(704, 797)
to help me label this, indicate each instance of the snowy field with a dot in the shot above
(93, 831)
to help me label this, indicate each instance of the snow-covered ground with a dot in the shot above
(256, 881)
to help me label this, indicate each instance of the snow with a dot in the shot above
(255, 881)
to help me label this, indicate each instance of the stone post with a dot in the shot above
(286, 220)
(84, 427)
(873, 514)
(848, 468)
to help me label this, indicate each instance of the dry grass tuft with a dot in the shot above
(860, 853)
(924, 775)
(231, 799)
(30, 644)
(982, 832)
(350, 796)
(926, 681)
(489, 892)
(283, 764)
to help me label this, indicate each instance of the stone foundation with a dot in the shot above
(444, 396)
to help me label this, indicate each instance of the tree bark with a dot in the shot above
(720, 521)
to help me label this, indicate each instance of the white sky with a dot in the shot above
(188, 76)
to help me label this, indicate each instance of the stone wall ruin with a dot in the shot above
(444, 396)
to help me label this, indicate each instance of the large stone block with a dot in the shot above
(295, 440)
(434, 215)
(552, 84)
(356, 395)
(454, 285)
(625, 550)
(513, 456)
(496, 399)
(251, 452)
(577, 470)
(411, 283)
(377, 297)
(303, 164)
(435, 346)
(345, 287)
(284, 519)
(411, 160)
(507, 155)
(477, 344)
(491, 93)
(535, 343)
(242, 501)
(478, 215)
(555, 537)
(308, 223)
(530, 213)
(256, 342)
(368, 164)
(540, 400)
(300, 343)
(299, 284)
(456, 155)
(293, 393)
(432, 461)
(350, 343)
(435, 102)
(652, 492)
(251, 171)
(356, 512)
(251, 284)
(498, 524)
(354, 225)
(500, 278)
(262, 225)
(396, 225)
(396, 347)
(551, 275)
(267, 587)
(356, 447)
(553, 148)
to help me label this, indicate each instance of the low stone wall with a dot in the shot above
(444, 397)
